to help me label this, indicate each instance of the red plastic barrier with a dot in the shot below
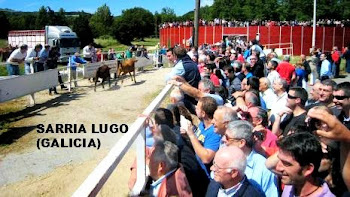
(301, 37)
(307, 40)
(274, 35)
(296, 39)
(218, 34)
(328, 41)
(264, 39)
(252, 32)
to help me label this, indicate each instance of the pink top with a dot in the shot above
(270, 140)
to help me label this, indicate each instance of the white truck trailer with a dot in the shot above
(61, 36)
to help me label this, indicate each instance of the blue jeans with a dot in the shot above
(12, 69)
(27, 70)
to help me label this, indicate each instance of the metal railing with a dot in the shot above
(98, 177)
(285, 48)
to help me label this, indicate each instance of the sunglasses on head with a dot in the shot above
(341, 97)
(292, 97)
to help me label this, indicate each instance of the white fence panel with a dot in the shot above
(12, 87)
(95, 181)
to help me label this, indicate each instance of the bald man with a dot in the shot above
(229, 177)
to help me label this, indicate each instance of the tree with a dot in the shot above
(61, 18)
(5, 25)
(167, 15)
(133, 23)
(81, 27)
(42, 18)
(101, 21)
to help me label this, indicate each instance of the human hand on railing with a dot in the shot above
(178, 78)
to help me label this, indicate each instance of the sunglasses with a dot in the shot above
(341, 97)
(292, 97)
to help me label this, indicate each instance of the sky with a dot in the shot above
(116, 6)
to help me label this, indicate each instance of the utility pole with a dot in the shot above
(314, 27)
(196, 23)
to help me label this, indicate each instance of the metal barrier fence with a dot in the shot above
(12, 87)
(98, 177)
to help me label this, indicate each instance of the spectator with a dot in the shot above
(314, 66)
(240, 134)
(257, 67)
(306, 66)
(326, 68)
(341, 98)
(336, 131)
(336, 62)
(326, 96)
(222, 116)
(346, 56)
(209, 71)
(296, 113)
(16, 58)
(267, 93)
(300, 157)
(52, 64)
(32, 58)
(88, 51)
(170, 55)
(168, 178)
(229, 177)
(43, 57)
(264, 138)
(74, 62)
(272, 73)
(301, 75)
(286, 70)
(280, 87)
(205, 141)
(314, 94)
(205, 88)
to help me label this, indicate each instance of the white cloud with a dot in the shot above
(207, 2)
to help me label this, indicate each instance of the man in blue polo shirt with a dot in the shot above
(204, 140)
(74, 62)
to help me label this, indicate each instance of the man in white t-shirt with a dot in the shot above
(88, 51)
(17, 57)
(280, 87)
(267, 93)
(272, 73)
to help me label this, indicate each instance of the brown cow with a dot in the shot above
(127, 66)
(103, 72)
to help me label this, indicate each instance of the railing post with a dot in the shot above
(69, 75)
(141, 163)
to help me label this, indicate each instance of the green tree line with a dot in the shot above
(138, 23)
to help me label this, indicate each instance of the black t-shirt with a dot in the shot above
(345, 120)
(291, 121)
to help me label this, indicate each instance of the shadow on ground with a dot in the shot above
(12, 134)
(9, 135)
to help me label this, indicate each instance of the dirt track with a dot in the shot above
(27, 171)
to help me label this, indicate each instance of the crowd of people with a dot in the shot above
(35, 59)
(236, 23)
(241, 123)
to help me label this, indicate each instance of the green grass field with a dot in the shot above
(3, 43)
(108, 42)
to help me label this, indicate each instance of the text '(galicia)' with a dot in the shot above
(75, 142)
